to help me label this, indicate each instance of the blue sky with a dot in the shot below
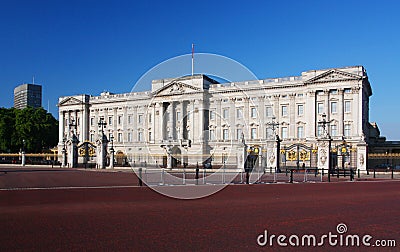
(75, 47)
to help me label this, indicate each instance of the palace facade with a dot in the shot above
(195, 118)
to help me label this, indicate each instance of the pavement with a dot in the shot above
(76, 210)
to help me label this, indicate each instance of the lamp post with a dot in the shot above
(23, 153)
(112, 152)
(64, 153)
(102, 146)
(274, 126)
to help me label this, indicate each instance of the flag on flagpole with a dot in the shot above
(192, 59)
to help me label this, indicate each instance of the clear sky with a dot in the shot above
(84, 46)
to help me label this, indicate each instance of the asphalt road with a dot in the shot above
(134, 218)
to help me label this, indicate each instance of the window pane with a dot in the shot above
(284, 132)
(300, 132)
(300, 109)
(253, 133)
(320, 108)
(334, 107)
(268, 112)
(253, 112)
(333, 130)
(238, 134)
(347, 130)
(347, 106)
(284, 111)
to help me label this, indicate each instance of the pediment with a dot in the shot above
(333, 76)
(70, 101)
(175, 88)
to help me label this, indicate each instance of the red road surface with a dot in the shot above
(139, 219)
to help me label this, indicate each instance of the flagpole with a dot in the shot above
(192, 59)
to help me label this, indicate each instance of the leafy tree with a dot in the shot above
(38, 128)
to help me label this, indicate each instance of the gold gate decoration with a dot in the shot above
(87, 149)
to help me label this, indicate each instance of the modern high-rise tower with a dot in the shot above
(28, 95)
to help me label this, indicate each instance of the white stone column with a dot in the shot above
(311, 118)
(362, 157)
(61, 125)
(341, 112)
(292, 116)
(218, 119)
(323, 153)
(101, 152)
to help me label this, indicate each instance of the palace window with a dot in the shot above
(129, 136)
(119, 137)
(129, 119)
(320, 108)
(284, 110)
(333, 107)
(140, 136)
(253, 112)
(239, 113)
(253, 133)
(119, 119)
(212, 115)
(300, 109)
(110, 120)
(300, 132)
(268, 111)
(140, 118)
(347, 130)
(225, 113)
(225, 134)
(91, 121)
(239, 134)
(212, 135)
(150, 136)
(284, 132)
(333, 130)
(347, 106)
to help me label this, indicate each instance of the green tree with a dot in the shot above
(38, 128)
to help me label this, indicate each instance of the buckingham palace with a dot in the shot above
(195, 119)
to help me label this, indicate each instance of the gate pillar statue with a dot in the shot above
(242, 154)
(72, 148)
(101, 152)
(324, 153)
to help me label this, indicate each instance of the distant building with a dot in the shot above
(28, 95)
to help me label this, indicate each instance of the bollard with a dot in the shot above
(344, 172)
(358, 173)
(329, 176)
(140, 177)
(197, 175)
(285, 172)
(338, 172)
(247, 176)
(291, 176)
(270, 169)
(316, 171)
(374, 173)
(351, 174)
(392, 173)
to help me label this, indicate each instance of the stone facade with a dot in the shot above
(195, 118)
